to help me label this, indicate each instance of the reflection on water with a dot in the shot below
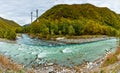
(25, 50)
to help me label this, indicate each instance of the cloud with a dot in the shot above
(19, 11)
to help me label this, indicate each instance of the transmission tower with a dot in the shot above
(37, 15)
(31, 17)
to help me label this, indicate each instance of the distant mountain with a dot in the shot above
(8, 28)
(8, 24)
(88, 18)
(26, 25)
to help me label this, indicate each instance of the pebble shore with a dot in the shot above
(82, 40)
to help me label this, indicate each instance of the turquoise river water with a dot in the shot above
(25, 49)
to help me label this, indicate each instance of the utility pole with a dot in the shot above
(31, 17)
(37, 15)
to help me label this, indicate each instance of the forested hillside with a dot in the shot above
(76, 20)
(8, 29)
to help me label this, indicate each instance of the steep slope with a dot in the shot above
(8, 28)
(77, 19)
(88, 11)
(4, 23)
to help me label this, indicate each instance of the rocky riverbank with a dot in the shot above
(74, 39)
(86, 67)
(82, 40)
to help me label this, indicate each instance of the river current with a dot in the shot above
(25, 50)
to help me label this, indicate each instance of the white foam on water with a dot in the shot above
(6, 53)
(18, 37)
(67, 50)
(20, 49)
(42, 55)
(1, 43)
(34, 53)
(28, 52)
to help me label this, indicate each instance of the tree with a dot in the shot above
(71, 30)
(9, 34)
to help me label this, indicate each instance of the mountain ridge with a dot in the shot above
(88, 11)
(83, 19)
(8, 28)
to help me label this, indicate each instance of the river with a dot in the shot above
(25, 49)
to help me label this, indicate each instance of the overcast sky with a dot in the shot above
(19, 10)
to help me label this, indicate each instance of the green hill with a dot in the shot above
(76, 19)
(8, 28)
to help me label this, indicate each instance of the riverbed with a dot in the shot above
(25, 50)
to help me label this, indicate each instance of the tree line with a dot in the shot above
(8, 34)
(46, 27)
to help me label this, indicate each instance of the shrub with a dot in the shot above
(110, 59)
(117, 51)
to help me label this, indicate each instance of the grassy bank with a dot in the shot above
(8, 66)
(111, 63)
(111, 58)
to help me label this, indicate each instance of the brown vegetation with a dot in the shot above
(8, 64)
(117, 52)
(111, 58)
